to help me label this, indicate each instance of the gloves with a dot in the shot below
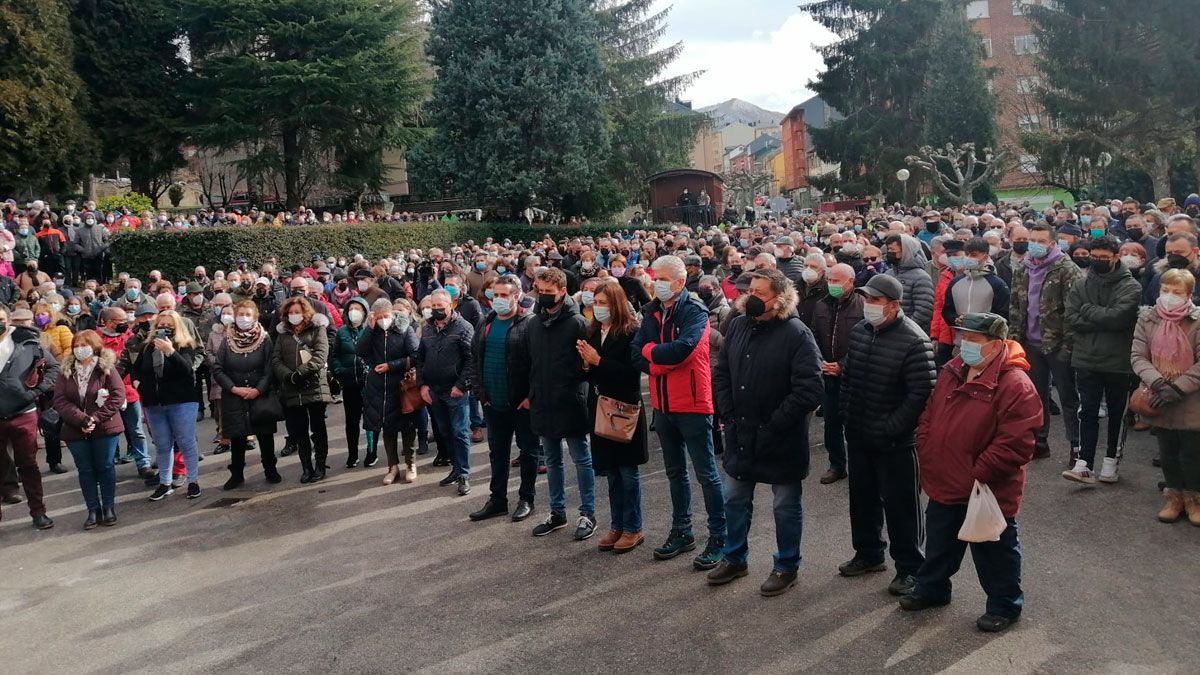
(1165, 395)
(295, 378)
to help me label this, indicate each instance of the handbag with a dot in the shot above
(266, 409)
(616, 420)
(1139, 402)
(410, 393)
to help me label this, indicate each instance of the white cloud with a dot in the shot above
(764, 53)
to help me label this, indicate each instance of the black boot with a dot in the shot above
(93, 517)
(108, 516)
(272, 474)
(319, 466)
(289, 447)
(236, 478)
(422, 444)
(306, 469)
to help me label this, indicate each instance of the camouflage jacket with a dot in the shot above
(1056, 334)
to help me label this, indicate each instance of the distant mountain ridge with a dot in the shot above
(736, 111)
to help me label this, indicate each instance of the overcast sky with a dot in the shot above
(760, 51)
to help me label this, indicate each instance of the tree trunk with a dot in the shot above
(291, 167)
(139, 177)
(1160, 173)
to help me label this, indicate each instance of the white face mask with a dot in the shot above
(1132, 261)
(1171, 302)
(295, 319)
(384, 324)
(810, 275)
(226, 319)
(56, 307)
(873, 313)
(83, 353)
(363, 285)
(243, 322)
(356, 316)
(427, 313)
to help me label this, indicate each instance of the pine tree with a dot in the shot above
(313, 90)
(136, 87)
(44, 142)
(518, 103)
(956, 105)
(875, 74)
(1123, 76)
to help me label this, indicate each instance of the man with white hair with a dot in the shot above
(672, 347)
(832, 320)
(812, 287)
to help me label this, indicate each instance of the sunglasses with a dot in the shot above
(871, 259)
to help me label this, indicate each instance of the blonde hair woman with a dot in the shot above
(164, 367)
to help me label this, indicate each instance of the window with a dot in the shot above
(1020, 5)
(1028, 85)
(987, 47)
(1028, 163)
(1029, 123)
(1025, 44)
(977, 9)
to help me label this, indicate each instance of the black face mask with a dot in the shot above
(548, 301)
(933, 227)
(1021, 247)
(1083, 263)
(142, 327)
(121, 327)
(1134, 235)
(892, 258)
(3, 326)
(1102, 266)
(262, 292)
(736, 269)
(755, 306)
(1176, 261)
(32, 269)
(706, 295)
(438, 315)
(299, 293)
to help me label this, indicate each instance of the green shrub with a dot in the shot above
(134, 201)
(177, 252)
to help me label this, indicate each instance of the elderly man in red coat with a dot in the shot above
(979, 425)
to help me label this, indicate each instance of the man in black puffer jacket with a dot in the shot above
(887, 377)
(767, 381)
(20, 387)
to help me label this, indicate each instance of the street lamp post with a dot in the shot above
(1104, 160)
(902, 176)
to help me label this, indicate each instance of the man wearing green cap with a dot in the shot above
(980, 425)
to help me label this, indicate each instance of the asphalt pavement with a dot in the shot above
(350, 576)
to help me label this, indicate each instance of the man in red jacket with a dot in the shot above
(979, 425)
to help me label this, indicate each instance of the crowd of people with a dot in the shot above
(937, 345)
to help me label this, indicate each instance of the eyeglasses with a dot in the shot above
(871, 259)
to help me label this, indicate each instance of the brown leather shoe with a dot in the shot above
(1191, 504)
(609, 540)
(1173, 506)
(477, 435)
(628, 542)
(832, 476)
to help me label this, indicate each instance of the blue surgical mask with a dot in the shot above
(744, 243)
(662, 290)
(603, 314)
(1096, 232)
(1084, 220)
(955, 263)
(489, 294)
(453, 291)
(1064, 245)
(502, 306)
(970, 264)
(971, 352)
(588, 298)
(1038, 250)
(481, 266)
(501, 269)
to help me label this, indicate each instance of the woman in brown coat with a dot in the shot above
(88, 396)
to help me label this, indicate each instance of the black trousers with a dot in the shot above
(352, 405)
(71, 268)
(884, 486)
(1095, 386)
(997, 563)
(266, 448)
(502, 426)
(301, 420)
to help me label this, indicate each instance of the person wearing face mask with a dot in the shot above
(1037, 320)
(53, 244)
(115, 334)
(979, 426)
(502, 366)
(266, 300)
(25, 243)
(1181, 253)
(1006, 261)
(20, 351)
(387, 347)
(977, 289)
(71, 250)
(1166, 358)
(479, 274)
(299, 362)
(242, 369)
(79, 315)
(886, 378)
(217, 331)
(951, 254)
(32, 278)
(813, 288)
(558, 400)
(634, 289)
(906, 264)
(1101, 310)
(1133, 256)
(89, 395)
(767, 381)
(164, 368)
(365, 286)
(351, 372)
(445, 375)
(833, 319)
(341, 291)
(785, 255)
(585, 299)
(672, 347)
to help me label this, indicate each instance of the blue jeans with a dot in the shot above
(835, 435)
(95, 460)
(789, 522)
(478, 421)
(552, 452)
(175, 425)
(625, 498)
(453, 419)
(997, 563)
(135, 437)
(690, 434)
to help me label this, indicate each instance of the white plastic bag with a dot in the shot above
(985, 521)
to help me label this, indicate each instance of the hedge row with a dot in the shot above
(177, 252)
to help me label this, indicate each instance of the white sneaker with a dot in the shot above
(1108, 472)
(1080, 474)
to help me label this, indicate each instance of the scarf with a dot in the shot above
(340, 298)
(1170, 351)
(1037, 275)
(244, 342)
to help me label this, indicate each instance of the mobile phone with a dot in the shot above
(161, 334)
